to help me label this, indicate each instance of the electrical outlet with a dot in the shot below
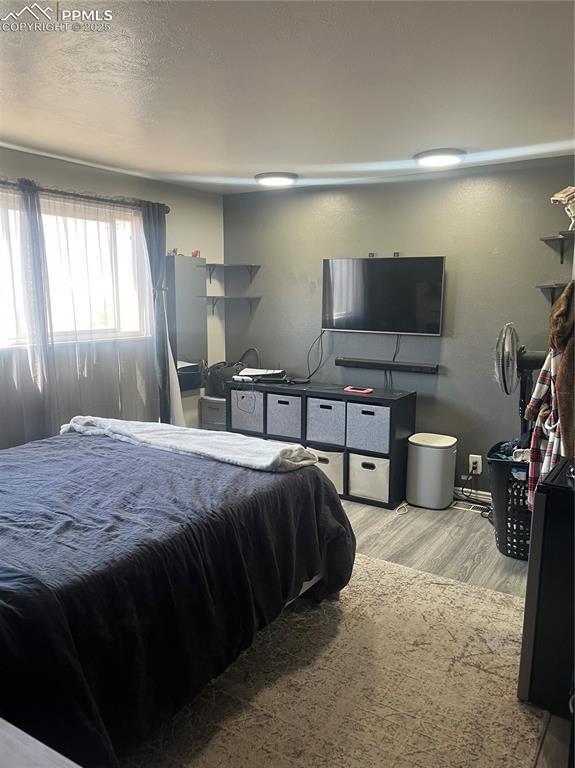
(475, 464)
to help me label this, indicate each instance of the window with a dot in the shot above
(96, 282)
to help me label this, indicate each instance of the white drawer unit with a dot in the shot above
(331, 464)
(325, 421)
(368, 427)
(284, 416)
(213, 413)
(247, 410)
(369, 477)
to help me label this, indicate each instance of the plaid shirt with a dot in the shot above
(546, 446)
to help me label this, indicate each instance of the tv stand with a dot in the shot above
(361, 440)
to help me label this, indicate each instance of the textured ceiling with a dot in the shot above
(210, 93)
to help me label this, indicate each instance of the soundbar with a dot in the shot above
(387, 365)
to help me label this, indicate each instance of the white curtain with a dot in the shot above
(76, 315)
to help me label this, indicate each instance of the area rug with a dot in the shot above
(406, 670)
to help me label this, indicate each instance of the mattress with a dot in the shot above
(130, 577)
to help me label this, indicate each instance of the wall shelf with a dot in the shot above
(212, 266)
(560, 241)
(554, 289)
(214, 300)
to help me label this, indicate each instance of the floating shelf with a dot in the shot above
(211, 266)
(558, 241)
(214, 300)
(555, 289)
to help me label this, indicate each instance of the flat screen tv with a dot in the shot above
(395, 295)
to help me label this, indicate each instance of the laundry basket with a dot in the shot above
(511, 516)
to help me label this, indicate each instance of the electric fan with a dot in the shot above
(515, 365)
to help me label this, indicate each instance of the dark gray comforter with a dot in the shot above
(130, 577)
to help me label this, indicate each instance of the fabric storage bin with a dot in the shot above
(368, 427)
(508, 481)
(368, 477)
(325, 421)
(247, 410)
(331, 464)
(284, 416)
(213, 413)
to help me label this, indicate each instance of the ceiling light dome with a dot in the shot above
(440, 158)
(276, 179)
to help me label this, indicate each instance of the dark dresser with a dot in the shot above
(546, 669)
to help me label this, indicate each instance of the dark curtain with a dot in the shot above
(154, 219)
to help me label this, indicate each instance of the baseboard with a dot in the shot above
(482, 495)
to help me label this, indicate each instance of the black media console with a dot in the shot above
(361, 440)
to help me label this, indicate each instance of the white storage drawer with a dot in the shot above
(368, 427)
(331, 464)
(368, 477)
(325, 421)
(213, 413)
(247, 410)
(284, 416)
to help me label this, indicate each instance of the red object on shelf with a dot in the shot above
(358, 390)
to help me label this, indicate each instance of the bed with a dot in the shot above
(130, 577)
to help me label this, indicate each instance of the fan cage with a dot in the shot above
(506, 357)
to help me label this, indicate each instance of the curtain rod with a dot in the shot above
(23, 184)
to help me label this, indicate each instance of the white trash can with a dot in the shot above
(431, 470)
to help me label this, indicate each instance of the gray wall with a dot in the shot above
(191, 317)
(487, 222)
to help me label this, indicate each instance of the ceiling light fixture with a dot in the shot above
(276, 179)
(440, 158)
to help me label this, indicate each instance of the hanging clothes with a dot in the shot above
(561, 339)
(552, 403)
(546, 448)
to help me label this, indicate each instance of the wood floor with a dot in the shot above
(457, 544)
(454, 543)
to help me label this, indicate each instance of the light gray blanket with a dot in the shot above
(229, 447)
